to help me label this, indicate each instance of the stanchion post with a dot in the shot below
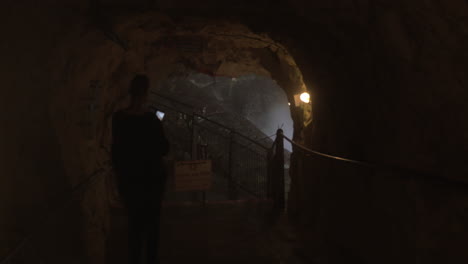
(278, 172)
(193, 148)
(270, 175)
(232, 194)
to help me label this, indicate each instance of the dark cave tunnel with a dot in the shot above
(387, 85)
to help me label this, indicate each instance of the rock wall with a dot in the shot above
(386, 78)
(32, 172)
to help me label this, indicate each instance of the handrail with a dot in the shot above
(172, 99)
(233, 131)
(214, 122)
(43, 219)
(387, 167)
(155, 104)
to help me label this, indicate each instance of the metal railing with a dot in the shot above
(240, 164)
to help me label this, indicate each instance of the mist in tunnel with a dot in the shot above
(257, 99)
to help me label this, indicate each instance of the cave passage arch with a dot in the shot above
(375, 88)
(93, 71)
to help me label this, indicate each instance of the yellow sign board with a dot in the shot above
(192, 175)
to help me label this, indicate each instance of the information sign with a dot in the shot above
(192, 175)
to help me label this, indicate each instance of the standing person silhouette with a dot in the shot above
(138, 145)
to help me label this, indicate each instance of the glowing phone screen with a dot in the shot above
(160, 115)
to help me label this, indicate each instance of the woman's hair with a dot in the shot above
(139, 85)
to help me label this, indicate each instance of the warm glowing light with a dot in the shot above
(289, 104)
(305, 97)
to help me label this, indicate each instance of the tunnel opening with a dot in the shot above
(237, 125)
(255, 98)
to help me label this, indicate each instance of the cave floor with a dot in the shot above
(214, 233)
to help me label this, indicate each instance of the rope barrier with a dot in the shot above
(365, 164)
(410, 173)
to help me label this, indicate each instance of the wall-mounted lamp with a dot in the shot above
(305, 97)
(301, 98)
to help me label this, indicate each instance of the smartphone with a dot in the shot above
(160, 115)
